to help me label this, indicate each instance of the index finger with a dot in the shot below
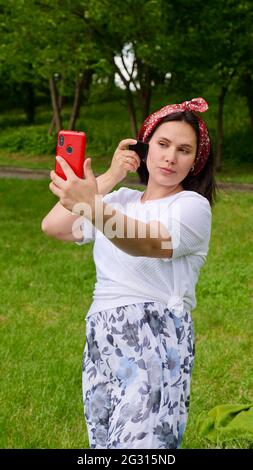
(57, 179)
(66, 167)
(123, 145)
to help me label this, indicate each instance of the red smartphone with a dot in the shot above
(71, 146)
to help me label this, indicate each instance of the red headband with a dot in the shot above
(196, 104)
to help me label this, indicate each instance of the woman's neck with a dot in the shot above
(159, 193)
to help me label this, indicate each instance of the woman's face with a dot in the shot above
(173, 145)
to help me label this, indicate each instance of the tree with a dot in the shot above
(137, 28)
(212, 45)
(17, 52)
(42, 41)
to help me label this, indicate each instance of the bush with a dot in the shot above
(30, 140)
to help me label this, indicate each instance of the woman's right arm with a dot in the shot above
(59, 221)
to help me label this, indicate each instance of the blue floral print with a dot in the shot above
(137, 367)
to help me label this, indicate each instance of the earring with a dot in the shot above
(192, 168)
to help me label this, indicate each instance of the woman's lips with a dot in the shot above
(166, 171)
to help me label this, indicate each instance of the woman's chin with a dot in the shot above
(171, 180)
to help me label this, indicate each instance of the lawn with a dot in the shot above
(46, 290)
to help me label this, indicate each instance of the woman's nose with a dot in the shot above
(170, 155)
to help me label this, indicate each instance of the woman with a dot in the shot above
(139, 350)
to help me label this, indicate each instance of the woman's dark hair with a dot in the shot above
(203, 183)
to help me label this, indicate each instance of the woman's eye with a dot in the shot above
(185, 151)
(162, 144)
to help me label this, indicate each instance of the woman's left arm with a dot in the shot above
(133, 236)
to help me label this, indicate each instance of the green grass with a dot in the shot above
(46, 290)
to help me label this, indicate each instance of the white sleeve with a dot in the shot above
(89, 230)
(188, 221)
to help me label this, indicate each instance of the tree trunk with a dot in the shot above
(145, 98)
(248, 82)
(83, 84)
(52, 125)
(221, 99)
(130, 102)
(145, 91)
(131, 112)
(55, 104)
(29, 105)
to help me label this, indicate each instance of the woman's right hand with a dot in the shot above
(124, 160)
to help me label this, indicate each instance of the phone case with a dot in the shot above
(141, 148)
(71, 146)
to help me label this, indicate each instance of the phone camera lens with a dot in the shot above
(69, 150)
(61, 140)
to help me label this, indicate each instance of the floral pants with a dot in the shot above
(137, 367)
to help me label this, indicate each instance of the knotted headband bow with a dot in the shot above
(194, 105)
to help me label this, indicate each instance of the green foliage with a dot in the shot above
(29, 139)
(202, 49)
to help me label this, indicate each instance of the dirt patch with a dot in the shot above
(27, 173)
(23, 173)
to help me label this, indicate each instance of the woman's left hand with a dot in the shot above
(74, 190)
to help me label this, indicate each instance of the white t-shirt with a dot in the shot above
(124, 279)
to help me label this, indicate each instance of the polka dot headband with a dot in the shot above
(195, 105)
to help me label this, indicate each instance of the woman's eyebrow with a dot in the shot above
(180, 145)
